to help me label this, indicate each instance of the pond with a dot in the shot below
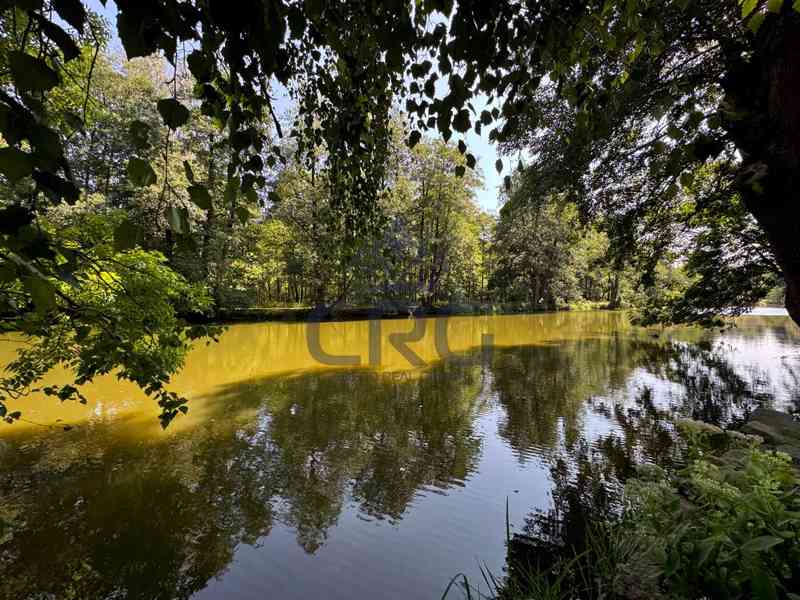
(292, 478)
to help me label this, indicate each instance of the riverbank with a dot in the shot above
(724, 525)
(299, 314)
(361, 313)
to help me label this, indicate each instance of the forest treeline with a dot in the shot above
(432, 243)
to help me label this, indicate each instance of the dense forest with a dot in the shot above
(431, 243)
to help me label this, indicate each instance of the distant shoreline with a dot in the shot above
(360, 313)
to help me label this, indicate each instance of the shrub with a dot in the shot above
(723, 527)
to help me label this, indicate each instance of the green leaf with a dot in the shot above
(470, 161)
(243, 213)
(499, 165)
(199, 65)
(173, 112)
(57, 188)
(136, 40)
(74, 121)
(63, 40)
(30, 73)
(704, 547)
(414, 138)
(42, 292)
(774, 6)
(15, 164)
(140, 172)
(748, 6)
(231, 190)
(178, 219)
(430, 86)
(460, 170)
(200, 196)
(47, 144)
(763, 586)
(297, 22)
(761, 543)
(72, 11)
(127, 235)
(755, 21)
(187, 168)
(241, 140)
(139, 132)
(462, 147)
(13, 218)
(251, 196)
(8, 272)
(461, 122)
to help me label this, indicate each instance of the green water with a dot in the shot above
(295, 479)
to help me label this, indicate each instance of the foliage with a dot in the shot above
(117, 314)
(427, 249)
(722, 265)
(547, 258)
(621, 104)
(736, 537)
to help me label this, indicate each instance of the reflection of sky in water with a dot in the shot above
(356, 484)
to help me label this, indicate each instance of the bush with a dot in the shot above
(723, 527)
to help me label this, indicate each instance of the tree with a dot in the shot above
(119, 311)
(424, 246)
(621, 103)
(332, 53)
(545, 256)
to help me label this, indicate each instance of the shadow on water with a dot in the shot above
(94, 513)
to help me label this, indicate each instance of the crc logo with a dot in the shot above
(397, 340)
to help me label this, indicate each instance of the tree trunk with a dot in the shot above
(767, 88)
(208, 228)
(614, 296)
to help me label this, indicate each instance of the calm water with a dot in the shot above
(290, 479)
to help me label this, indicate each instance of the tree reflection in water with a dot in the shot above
(97, 513)
(675, 378)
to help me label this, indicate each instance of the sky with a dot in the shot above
(479, 145)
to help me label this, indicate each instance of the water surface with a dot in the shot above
(294, 479)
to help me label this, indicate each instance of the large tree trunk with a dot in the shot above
(767, 89)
